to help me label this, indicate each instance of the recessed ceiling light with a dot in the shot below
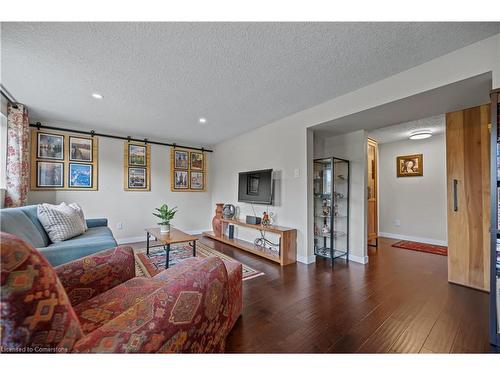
(420, 134)
(202, 120)
(97, 96)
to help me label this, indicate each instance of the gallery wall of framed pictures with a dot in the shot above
(137, 166)
(63, 161)
(187, 170)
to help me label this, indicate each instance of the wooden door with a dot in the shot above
(468, 188)
(372, 193)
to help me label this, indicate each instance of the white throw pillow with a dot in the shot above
(61, 222)
(79, 209)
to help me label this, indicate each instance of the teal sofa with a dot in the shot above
(23, 222)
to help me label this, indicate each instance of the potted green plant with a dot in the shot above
(165, 214)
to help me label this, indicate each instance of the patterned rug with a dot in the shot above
(423, 247)
(155, 263)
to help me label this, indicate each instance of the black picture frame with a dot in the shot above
(39, 155)
(39, 165)
(91, 151)
(91, 175)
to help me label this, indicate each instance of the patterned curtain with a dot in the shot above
(17, 175)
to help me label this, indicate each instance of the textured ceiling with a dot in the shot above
(159, 78)
(399, 132)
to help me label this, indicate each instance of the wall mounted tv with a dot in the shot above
(256, 187)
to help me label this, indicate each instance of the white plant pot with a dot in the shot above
(165, 228)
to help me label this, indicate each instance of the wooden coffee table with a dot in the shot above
(166, 239)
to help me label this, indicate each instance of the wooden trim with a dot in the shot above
(188, 170)
(127, 166)
(374, 200)
(66, 161)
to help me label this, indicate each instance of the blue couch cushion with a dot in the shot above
(92, 241)
(23, 222)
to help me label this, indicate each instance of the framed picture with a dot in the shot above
(80, 149)
(80, 175)
(197, 160)
(181, 180)
(197, 182)
(50, 146)
(410, 165)
(137, 178)
(181, 160)
(136, 155)
(50, 174)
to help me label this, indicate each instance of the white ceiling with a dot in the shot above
(400, 132)
(159, 78)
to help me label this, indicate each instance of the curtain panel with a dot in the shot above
(18, 158)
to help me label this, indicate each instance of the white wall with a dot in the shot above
(285, 144)
(353, 147)
(266, 147)
(134, 209)
(419, 203)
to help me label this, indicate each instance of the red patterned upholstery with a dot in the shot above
(96, 273)
(188, 308)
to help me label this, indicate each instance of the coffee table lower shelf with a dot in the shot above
(246, 246)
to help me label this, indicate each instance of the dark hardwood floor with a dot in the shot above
(400, 302)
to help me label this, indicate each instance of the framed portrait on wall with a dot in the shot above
(80, 149)
(410, 165)
(50, 146)
(137, 166)
(50, 174)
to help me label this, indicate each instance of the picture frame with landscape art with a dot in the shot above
(50, 146)
(50, 174)
(137, 178)
(69, 151)
(137, 154)
(410, 165)
(137, 166)
(196, 160)
(80, 149)
(80, 175)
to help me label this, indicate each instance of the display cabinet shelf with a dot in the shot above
(331, 208)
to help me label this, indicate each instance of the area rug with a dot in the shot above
(423, 247)
(155, 263)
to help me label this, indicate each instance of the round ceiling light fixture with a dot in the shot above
(95, 95)
(420, 134)
(202, 120)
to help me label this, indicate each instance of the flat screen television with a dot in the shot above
(256, 187)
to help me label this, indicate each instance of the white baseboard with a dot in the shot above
(358, 259)
(430, 241)
(312, 259)
(306, 260)
(125, 240)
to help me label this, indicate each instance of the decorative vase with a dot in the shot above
(216, 221)
(164, 228)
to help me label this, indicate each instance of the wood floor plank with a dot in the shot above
(399, 302)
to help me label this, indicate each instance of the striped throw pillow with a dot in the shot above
(61, 222)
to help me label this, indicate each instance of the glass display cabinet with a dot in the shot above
(331, 208)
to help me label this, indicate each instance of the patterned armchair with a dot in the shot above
(96, 304)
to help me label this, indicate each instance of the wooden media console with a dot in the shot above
(287, 241)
